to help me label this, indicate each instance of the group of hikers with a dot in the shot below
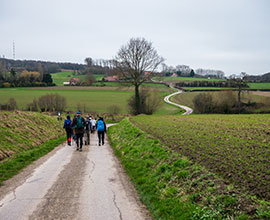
(80, 127)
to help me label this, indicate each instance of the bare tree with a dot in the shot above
(136, 63)
(89, 61)
(241, 84)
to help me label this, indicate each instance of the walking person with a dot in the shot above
(93, 122)
(73, 129)
(78, 122)
(87, 129)
(68, 127)
(101, 129)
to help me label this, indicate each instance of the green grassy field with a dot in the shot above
(122, 84)
(198, 167)
(175, 79)
(205, 88)
(259, 85)
(89, 99)
(234, 146)
(61, 77)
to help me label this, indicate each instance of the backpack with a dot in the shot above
(79, 122)
(87, 125)
(68, 124)
(100, 125)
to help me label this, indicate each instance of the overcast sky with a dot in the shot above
(229, 35)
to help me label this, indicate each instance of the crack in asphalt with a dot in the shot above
(116, 206)
(14, 194)
(92, 170)
(34, 180)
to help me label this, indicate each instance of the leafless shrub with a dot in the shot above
(10, 106)
(152, 102)
(226, 101)
(149, 102)
(113, 111)
(33, 106)
(203, 103)
(50, 102)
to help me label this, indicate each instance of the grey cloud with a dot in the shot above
(231, 35)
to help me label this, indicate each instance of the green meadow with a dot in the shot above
(175, 79)
(87, 99)
(259, 86)
(61, 77)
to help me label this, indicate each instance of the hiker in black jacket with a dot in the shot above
(87, 129)
(68, 128)
(78, 123)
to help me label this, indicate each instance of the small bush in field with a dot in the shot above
(204, 103)
(50, 102)
(10, 106)
(149, 102)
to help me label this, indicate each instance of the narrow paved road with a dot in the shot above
(187, 109)
(68, 184)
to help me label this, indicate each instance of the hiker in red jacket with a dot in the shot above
(78, 122)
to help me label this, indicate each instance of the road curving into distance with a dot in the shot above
(167, 99)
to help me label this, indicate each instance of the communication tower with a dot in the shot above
(13, 50)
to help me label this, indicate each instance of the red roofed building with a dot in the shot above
(111, 78)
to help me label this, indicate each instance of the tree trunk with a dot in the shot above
(137, 100)
(239, 100)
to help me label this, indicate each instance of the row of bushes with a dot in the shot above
(11, 105)
(225, 102)
(225, 84)
(46, 103)
(34, 84)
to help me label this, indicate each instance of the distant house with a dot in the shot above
(74, 81)
(111, 78)
(174, 75)
(66, 83)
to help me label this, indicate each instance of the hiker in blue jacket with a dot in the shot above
(68, 128)
(78, 123)
(101, 129)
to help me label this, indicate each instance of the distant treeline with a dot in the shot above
(33, 65)
(30, 73)
(262, 78)
(228, 84)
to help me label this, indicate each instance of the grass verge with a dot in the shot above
(12, 165)
(171, 186)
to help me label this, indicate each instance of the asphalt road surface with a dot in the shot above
(68, 184)
(187, 109)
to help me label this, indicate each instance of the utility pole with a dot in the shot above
(13, 50)
(59, 119)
